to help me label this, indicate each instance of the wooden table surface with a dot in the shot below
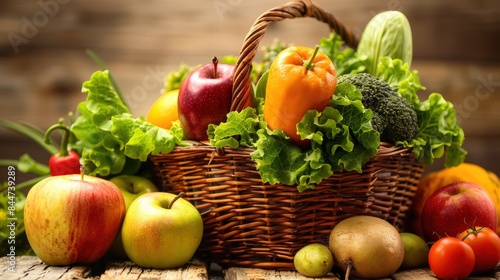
(28, 267)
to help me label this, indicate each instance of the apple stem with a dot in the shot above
(82, 171)
(215, 61)
(181, 194)
(309, 65)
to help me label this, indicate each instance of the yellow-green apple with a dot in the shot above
(161, 230)
(72, 218)
(454, 208)
(131, 187)
(205, 98)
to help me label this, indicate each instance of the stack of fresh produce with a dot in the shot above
(315, 111)
(325, 109)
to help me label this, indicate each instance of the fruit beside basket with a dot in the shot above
(265, 197)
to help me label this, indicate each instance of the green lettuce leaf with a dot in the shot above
(345, 59)
(278, 159)
(100, 152)
(142, 138)
(240, 129)
(439, 133)
(401, 78)
(342, 138)
(107, 133)
(174, 79)
(342, 132)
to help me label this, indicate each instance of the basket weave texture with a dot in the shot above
(251, 224)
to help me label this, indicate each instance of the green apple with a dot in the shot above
(161, 230)
(131, 187)
(416, 251)
(313, 260)
(73, 218)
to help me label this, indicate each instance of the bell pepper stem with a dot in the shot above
(309, 65)
(63, 151)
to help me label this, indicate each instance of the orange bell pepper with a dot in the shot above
(300, 79)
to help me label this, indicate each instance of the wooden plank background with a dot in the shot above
(43, 61)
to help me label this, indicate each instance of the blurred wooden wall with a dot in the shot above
(43, 61)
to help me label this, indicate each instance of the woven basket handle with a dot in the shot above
(242, 88)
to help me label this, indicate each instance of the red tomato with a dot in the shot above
(451, 258)
(486, 246)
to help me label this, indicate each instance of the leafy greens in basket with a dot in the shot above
(342, 136)
(108, 135)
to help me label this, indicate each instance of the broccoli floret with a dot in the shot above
(393, 115)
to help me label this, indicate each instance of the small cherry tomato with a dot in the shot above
(486, 246)
(451, 258)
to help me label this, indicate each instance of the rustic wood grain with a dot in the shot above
(33, 268)
(239, 273)
(414, 274)
(29, 267)
(127, 270)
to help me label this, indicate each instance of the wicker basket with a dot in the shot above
(252, 224)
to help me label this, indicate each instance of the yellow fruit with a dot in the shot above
(464, 172)
(164, 110)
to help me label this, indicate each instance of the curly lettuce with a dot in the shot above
(108, 135)
(341, 136)
(345, 59)
(439, 132)
(174, 79)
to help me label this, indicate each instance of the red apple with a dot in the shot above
(205, 98)
(449, 209)
(72, 219)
